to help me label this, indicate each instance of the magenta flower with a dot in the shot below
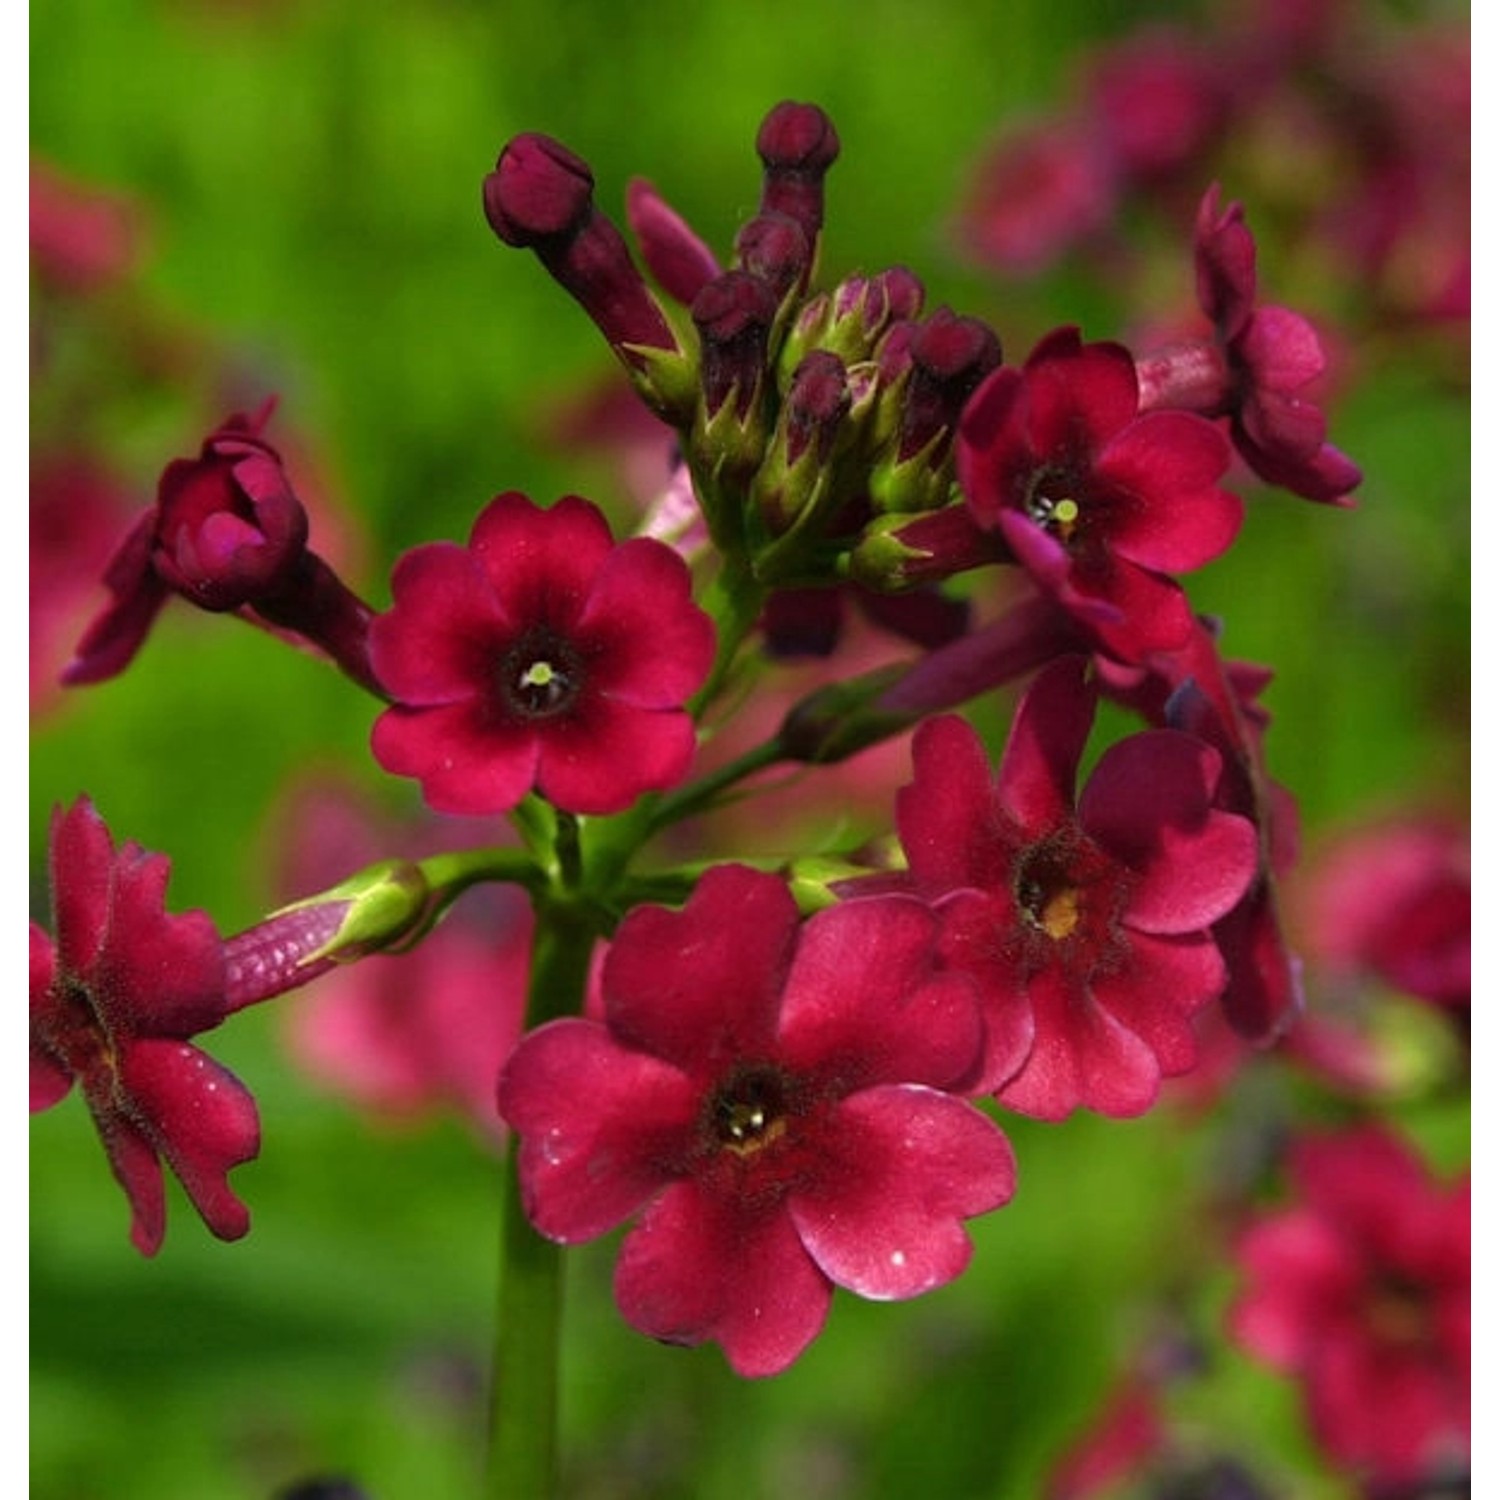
(1085, 927)
(1098, 500)
(227, 532)
(1393, 899)
(1360, 1289)
(541, 655)
(770, 1094)
(1273, 357)
(113, 1003)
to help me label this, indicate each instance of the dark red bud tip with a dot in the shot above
(734, 314)
(948, 346)
(539, 191)
(816, 402)
(797, 137)
(730, 305)
(774, 248)
(903, 291)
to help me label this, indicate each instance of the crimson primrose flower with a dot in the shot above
(772, 1095)
(1086, 928)
(113, 1003)
(1273, 357)
(542, 654)
(1098, 500)
(1360, 1288)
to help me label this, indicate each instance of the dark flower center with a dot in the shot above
(540, 676)
(750, 1109)
(1069, 895)
(1049, 900)
(1052, 506)
(1398, 1311)
(77, 1035)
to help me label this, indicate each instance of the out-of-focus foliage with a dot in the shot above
(307, 175)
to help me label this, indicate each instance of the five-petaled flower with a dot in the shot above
(1360, 1288)
(114, 1000)
(775, 1096)
(1097, 499)
(544, 655)
(1086, 927)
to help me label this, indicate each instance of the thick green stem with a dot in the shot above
(524, 1406)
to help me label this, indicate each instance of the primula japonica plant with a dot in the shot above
(787, 1076)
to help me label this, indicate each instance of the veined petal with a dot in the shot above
(1165, 983)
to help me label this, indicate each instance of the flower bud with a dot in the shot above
(540, 197)
(374, 910)
(796, 474)
(797, 144)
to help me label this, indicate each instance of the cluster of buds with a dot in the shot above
(814, 423)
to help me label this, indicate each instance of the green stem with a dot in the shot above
(524, 1406)
(702, 793)
(734, 598)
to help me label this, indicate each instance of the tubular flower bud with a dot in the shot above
(372, 911)
(797, 143)
(540, 197)
(900, 552)
(682, 264)
(774, 248)
(949, 356)
(797, 473)
(734, 315)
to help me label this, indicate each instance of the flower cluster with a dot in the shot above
(790, 1079)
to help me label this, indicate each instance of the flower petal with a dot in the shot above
(1077, 395)
(80, 859)
(1081, 1056)
(158, 974)
(200, 1117)
(466, 761)
(910, 1164)
(602, 755)
(445, 634)
(541, 561)
(863, 1002)
(602, 1128)
(1148, 802)
(948, 802)
(701, 987)
(50, 1080)
(1168, 463)
(647, 644)
(698, 1267)
(1040, 766)
(1166, 982)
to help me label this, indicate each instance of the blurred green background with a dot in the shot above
(309, 178)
